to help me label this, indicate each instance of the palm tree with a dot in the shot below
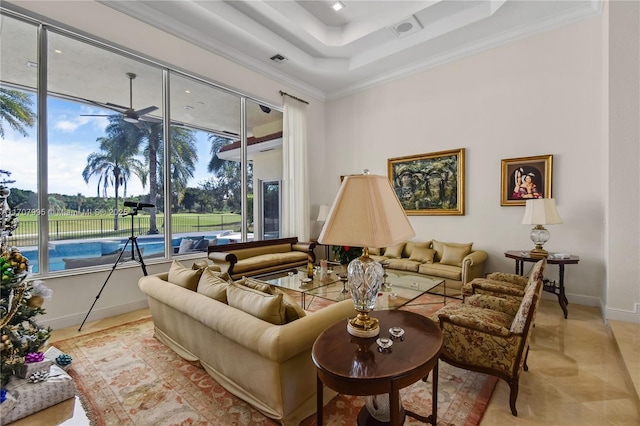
(115, 164)
(228, 181)
(15, 109)
(184, 156)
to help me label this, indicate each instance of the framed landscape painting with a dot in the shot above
(429, 184)
(525, 178)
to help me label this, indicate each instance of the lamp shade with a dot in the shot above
(366, 213)
(541, 211)
(323, 212)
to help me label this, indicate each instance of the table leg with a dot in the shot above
(394, 405)
(319, 401)
(434, 395)
(562, 298)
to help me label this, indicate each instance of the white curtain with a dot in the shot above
(295, 181)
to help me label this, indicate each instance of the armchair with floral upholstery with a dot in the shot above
(491, 337)
(504, 284)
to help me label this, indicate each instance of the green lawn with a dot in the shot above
(102, 225)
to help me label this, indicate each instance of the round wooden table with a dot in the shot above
(354, 366)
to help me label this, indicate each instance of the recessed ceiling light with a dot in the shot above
(32, 64)
(337, 6)
(187, 91)
(57, 50)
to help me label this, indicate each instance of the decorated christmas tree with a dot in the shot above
(20, 298)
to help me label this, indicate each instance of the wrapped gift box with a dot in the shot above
(52, 353)
(33, 397)
(33, 367)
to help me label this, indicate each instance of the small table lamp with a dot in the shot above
(540, 211)
(366, 213)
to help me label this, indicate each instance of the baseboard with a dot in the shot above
(96, 314)
(624, 315)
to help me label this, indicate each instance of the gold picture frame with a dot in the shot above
(525, 178)
(429, 184)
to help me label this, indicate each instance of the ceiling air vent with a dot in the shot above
(406, 27)
(278, 58)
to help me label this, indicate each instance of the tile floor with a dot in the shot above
(576, 374)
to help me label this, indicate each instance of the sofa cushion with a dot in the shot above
(212, 285)
(267, 307)
(453, 255)
(411, 245)
(442, 271)
(263, 261)
(374, 251)
(422, 254)
(256, 285)
(185, 246)
(438, 246)
(394, 251)
(183, 276)
(403, 264)
(292, 311)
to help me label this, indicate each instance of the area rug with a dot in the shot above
(127, 377)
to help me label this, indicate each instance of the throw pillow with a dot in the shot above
(256, 285)
(200, 264)
(453, 255)
(183, 276)
(292, 311)
(185, 246)
(438, 246)
(213, 285)
(201, 245)
(411, 245)
(374, 251)
(422, 254)
(267, 307)
(394, 251)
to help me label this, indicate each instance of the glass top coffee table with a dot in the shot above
(296, 280)
(400, 288)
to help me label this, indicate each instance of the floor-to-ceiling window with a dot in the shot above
(18, 128)
(106, 148)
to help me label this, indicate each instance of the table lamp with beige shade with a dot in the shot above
(366, 213)
(539, 212)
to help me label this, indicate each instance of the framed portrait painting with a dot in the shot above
(525, 178)
(429, 184)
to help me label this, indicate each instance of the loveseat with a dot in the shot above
(456, 263)
(261, 257)
(267, 365)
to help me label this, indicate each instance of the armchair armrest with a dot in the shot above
(501, 304)
(508, 277)
(496, 288)
(473, 324)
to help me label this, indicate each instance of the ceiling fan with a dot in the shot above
(128, 113)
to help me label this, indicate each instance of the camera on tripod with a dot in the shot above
(136, 206)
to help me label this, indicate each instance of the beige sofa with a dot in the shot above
(261, 257)
(456, 263)
(269, 366)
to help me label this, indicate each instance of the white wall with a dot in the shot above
(541, 95)
(623, 237)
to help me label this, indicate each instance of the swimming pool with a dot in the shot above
(150, 245)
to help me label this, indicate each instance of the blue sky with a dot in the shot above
(72, 138)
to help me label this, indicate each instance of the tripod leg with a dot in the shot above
(113, 268)
(135, 244)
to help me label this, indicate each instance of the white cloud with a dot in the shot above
(66, 162)
(68, 124)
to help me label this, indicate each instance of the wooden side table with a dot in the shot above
(521, 256)
(354, 366)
